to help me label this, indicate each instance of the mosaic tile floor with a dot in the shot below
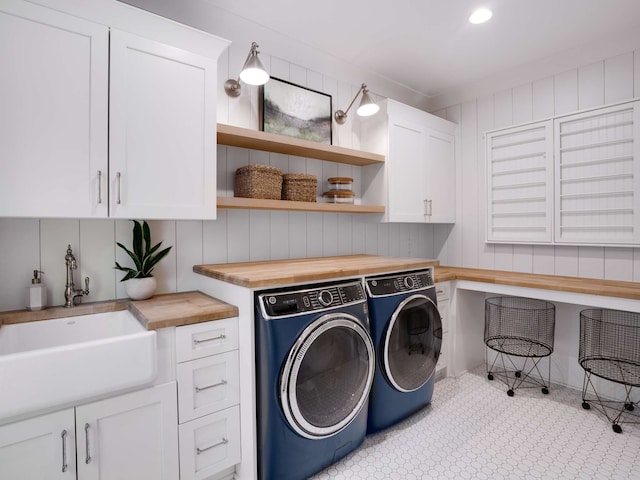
(473, 430)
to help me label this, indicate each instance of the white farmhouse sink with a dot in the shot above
(60, 362)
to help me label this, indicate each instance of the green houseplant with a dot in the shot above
(140, 283)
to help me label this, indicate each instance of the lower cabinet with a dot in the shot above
(208, 399)
(131, 436)
(442, 294)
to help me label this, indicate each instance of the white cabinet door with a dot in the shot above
(131, 436)
(406, 157)
(440, 177)
(53, 114)
(162, 138)
(40, 448)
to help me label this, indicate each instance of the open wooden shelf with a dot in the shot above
(262, 204)
(271, 142)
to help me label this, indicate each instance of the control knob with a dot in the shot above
(325, 298)
(408, 282)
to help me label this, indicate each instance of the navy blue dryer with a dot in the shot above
(314, 367)
(407, 333)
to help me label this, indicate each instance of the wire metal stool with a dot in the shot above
(610, 349)
(519, 327)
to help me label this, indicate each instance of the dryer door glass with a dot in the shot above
(412, 343)
(328, 375)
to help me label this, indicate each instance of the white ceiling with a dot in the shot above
(429, 46)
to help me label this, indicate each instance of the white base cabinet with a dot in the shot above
(443, 297)
(131, 436)
(208, 373)
(416, 183)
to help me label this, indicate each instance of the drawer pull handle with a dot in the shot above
(202, 450)
(64, 451)
(100, 186)
(219, 337)
(219, 384)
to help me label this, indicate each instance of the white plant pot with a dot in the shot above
(140, 288)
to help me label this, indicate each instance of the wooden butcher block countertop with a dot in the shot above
(168, 310)
(588, 286)
(308, 270)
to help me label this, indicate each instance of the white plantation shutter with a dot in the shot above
(520, 184)
(597, 173)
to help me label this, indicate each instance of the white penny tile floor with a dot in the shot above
(474, 430)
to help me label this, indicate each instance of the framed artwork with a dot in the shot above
(295, 111)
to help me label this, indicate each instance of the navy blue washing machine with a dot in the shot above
(314, 370)
(407, 333)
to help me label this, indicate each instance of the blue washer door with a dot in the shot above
(412, 343)
(327, 376)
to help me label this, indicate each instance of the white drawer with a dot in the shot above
(443, 291)
(209, 444)
(207, 385)
(207, 338)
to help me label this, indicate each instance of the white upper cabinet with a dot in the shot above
(98, 122)
(417, 182)
(162, 155)
(520, 184)
(53, 113)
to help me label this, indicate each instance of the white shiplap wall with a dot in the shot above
(237, 235)
(603, 82)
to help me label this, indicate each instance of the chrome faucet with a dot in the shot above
(70, 292)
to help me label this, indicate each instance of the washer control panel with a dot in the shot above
(295, 302)
(400, 282)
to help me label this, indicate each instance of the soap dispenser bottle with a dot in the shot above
(36, 292)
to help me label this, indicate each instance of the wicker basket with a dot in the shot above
(258, 181)
(299, 187)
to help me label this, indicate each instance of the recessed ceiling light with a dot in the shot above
(481, 15)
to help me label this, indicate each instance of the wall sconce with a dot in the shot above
(253, 73)
(367, 106)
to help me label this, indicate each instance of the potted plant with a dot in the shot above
(140, 283)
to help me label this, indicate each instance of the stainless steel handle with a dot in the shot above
(63, 435)
(202, 450)
(219, 384)
(118, 188)
(426, 207)
(219, 337)
(87, 457)
(99, 187)
(430, 203)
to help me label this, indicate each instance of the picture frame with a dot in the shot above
(295, 111)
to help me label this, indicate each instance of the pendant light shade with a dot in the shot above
(253, 73)
(367, 106)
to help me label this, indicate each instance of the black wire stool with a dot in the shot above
(519, 327)
(610, 349)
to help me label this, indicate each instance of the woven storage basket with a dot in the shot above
(258, 181)
(299, 187)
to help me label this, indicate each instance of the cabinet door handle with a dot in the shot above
(87, 457)
(202, 450)
(426, 207)
(118, 188)
(219, 337)
(63, 435)
(219, 384)
(99, 187)
(430, 203)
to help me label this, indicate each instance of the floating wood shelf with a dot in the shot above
(271, 142)
(262, 204)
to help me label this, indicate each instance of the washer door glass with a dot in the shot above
(327, 376)
(412, 343)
